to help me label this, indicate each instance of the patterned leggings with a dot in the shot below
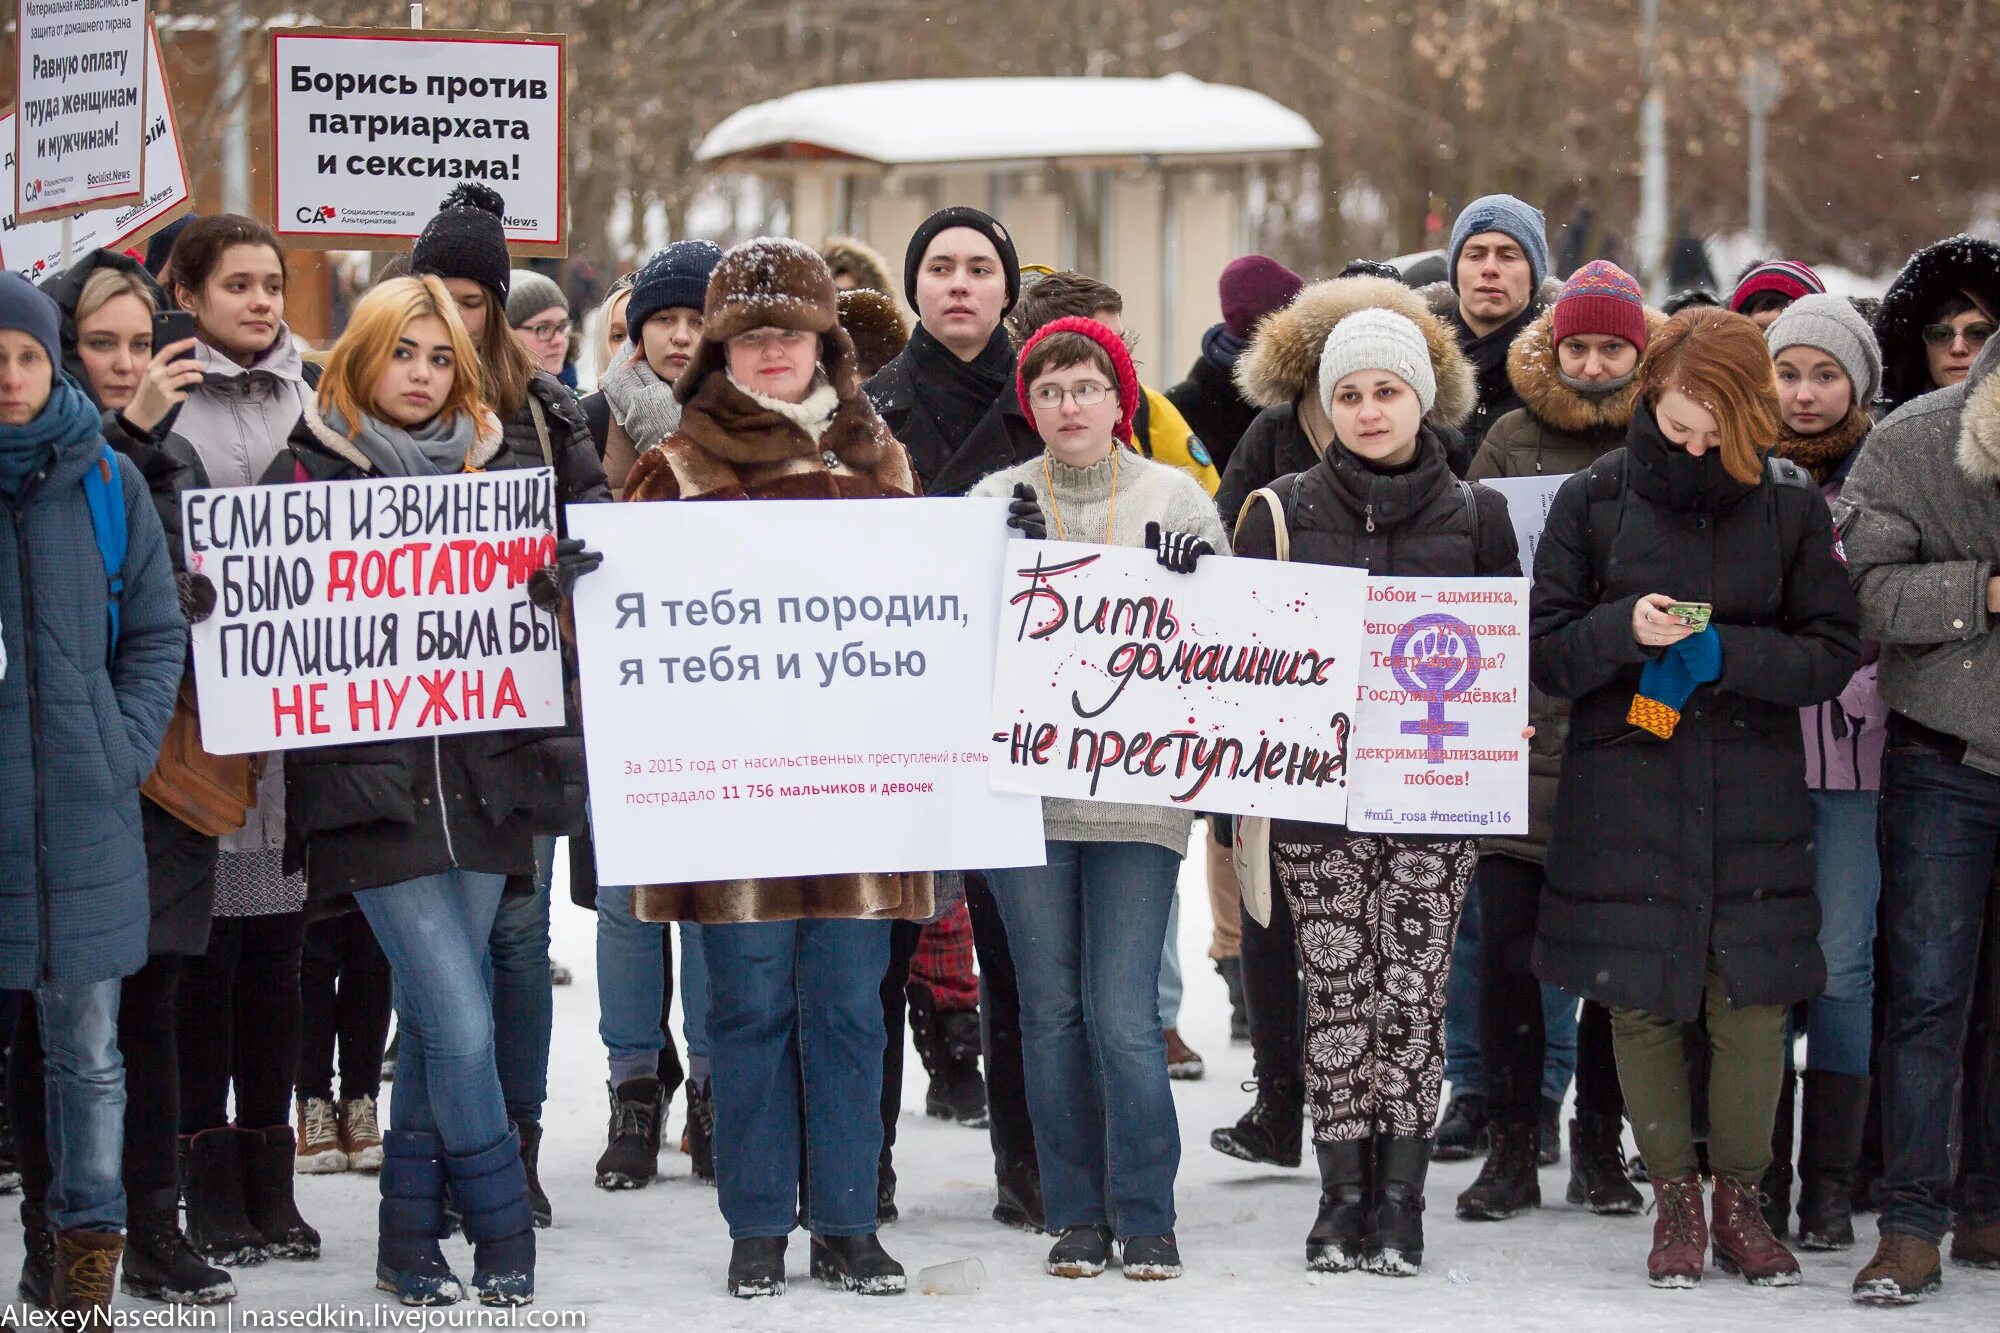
(1376, 916)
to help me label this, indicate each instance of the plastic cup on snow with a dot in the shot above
(960, 1277)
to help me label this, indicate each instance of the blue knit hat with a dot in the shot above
(26, 308)
(675, 277)
(1510, 217)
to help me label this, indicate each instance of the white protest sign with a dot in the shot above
(1528, 500)
(373, 610)
(34, 249)
(1230, 689)
(372, 128)
(1444, 699)
(773, 688)
(80, 140)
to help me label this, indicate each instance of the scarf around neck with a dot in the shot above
(953, 394)
(812, 415)
(438, 448)
(1822, 454)
(68, 418)
(1488, 352)
(1220, 347)
(641, 402)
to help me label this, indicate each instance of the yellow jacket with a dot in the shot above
(1163, 434)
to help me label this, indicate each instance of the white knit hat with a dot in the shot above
(1376, 339)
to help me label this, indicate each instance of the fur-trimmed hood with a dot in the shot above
(1961, 264)
(312, 429)
(846, 254)
(1282, 362)
(1535, 373)
(1979, 425)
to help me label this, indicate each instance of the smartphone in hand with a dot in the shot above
(173, 326)
(1695, 615)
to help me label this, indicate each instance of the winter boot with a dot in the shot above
(491, 1189)
(1150, 1258)
(86, 1269)
(1231, 972)
(1396, 1240)
(858, 1264)
(1598, 1178)
(1775, 1190)
(1507, 1185)
(408, 1261)
(320, 1151)
(1271, 1130)
(701, 1133)
(885, 1193)
(1019, 1183)
(267, 1193)
(1549, 1149)
(1905, 1269)
(10, 1157)
(1680, 1234)
(38, 1262)
(757, 1267)
(1975, 1246)
(1338, 1241)
(632, 1151)
(1744, 1244)
(1461, 1131)
(1184, 1062)
(1079, 1252)
(1830, 1158)
(159, 1265)
(218, 1225)
(965, 1090)
(530, 1134)
(360, 1134)
(389, 1056)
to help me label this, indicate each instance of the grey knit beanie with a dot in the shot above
(529, 294)
(1834, 326)
(1511, 218)
(1376, 339)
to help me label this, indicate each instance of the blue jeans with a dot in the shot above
(1086, 932)
(523, 999)
(694, 999)
(1170, 969)
(84, 1080)
(631, 985)
(434, 930)
(1941, 844)
(1840, 1022)
(1464, 1067)
(796, 1036)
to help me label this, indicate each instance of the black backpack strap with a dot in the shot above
(310, 373)
(1604, 487)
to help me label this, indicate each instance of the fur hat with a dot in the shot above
(1834, 326)
(875, 325)
(530, 293)
(1377, 340)
(960, 216)
(466, 239)
(1601, 298)
(676, 277)
(1252, 288)
(860, 261)
(1523, 223)
(1114, 348)
(773, 282)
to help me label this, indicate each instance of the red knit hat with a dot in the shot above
(1778, 275)
(1121, 366)
(1604, 299)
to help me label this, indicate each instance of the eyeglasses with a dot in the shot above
(1049, 397)
(1943, 335)
(549, 332)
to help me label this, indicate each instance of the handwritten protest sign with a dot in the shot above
(34, 249)
(80, 140)
(1230, 689)
(773, 689)
(1444, 698)
(371, 129)
(373, 610)
(1528, 501)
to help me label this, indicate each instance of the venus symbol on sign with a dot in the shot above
(1436, 658)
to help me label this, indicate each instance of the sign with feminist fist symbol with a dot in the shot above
(1436, 658)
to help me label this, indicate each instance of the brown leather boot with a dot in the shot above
(1905, 1269)
(86, 1270)
(1975, 1246)
(1744, 1243)
(1680, 1233)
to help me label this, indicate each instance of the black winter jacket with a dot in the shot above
(1216, 411)
(1003, 437)
(572, 453)
(1276, 445)
(1666, 851)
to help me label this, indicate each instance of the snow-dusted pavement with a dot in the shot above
(655, 1258)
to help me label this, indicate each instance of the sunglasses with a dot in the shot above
(1943, 335)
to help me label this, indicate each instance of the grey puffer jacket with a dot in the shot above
(1920, 520)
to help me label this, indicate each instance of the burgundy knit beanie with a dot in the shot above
(1253, 287)
(1121, 366)
(1604, 299)
(1779, 275)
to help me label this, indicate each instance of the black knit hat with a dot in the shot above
(675, 277)
(960, 216)
(466, 239)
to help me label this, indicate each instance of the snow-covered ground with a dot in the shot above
(656, 1257)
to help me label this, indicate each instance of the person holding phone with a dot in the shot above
(1680, 873)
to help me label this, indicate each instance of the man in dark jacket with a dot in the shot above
(1920, 518)
(1216, 409)
(84, 703)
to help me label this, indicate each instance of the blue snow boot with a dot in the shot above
(407, 1258)
(491, 1191)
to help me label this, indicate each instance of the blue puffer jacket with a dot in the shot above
(78, 732)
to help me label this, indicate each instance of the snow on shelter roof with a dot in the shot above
(933, 121)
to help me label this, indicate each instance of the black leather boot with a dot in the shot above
(1338, 1241)
(1830, 1158)
(1396, 1245)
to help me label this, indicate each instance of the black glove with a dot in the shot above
(1176, 550)
(1024, 513)
(549, 587)
(197, 595)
